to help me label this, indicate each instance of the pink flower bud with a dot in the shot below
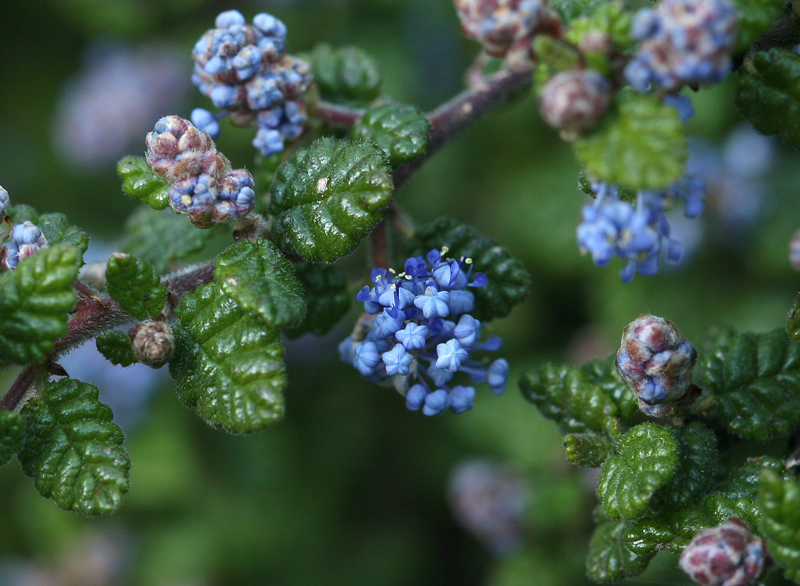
(574, 101)
(153, 342)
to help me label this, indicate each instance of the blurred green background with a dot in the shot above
(352, 488)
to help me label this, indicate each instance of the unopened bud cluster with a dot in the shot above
(19, 240)
(656, 361)
(244, 69)
(202, 184)
(574, 101)
(500, 25)
(726, 555)
(153, 342)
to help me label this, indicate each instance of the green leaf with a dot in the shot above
(346, 74)
(697, 458)
(588, 449)
(133, 283)
(162, 238)
(116, 347)
(509, 282)
(139, 181)
(55, 227)
(793, 320)
(12, 435)
(328, 197)
(756, 17)
(228, 365)
(402, 131)
(752, 384)
(572, 9)
(603, 373)
(568, 396)
(260, 280)
(34, 301)
(780, 520)
(770, 96)
(642, 145)
(609, 560)
(610, 18)
(73, 451)
(646, 460)
(327, 298)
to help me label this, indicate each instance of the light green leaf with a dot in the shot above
(73, 451)
(139, 181)
(260, 279)
(12, 435)
(133, 283)
(610, 18)
(402, 131)
(55, 227)
(588, 449)
(328, 197)
(116, 347)
(609, 560)
(34, 301)
(346, 74)
(641, 145)
(780, 520)
(228, 365)
(327, 297)
(646, 460)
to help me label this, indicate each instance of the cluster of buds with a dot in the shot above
(682, 42)
(244, 70)
(417, 333)
(726, 555)
(656, 361)
(574, 101)
(21, 240)
(202, 184)
(153, 342)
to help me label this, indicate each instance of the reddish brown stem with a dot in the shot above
(336, 115)
(17, 391)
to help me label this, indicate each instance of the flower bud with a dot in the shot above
(574, 101)
(727, 555)
(656, 361)
(153, 342)
(498, 25)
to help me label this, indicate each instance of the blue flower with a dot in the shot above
(433, 303)
(413, 336)
(415, 397)
(497, 376)
(397, 360)
(450, 355)
(206, 121)
(467, 331)
(366, 358)
(436, 403)
(461, 399)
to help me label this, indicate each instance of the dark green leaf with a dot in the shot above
(780, 520)
(73, 451)
(328, 197)
(770, 96)
(162, 238)
(133, 283)
(34, 301)
(55, 227)
(12, 435)
(263, 175)
(641, 145)
(793, 321)
(571, 9)
(346, 74)
(139, 181)
(697, 458)
(261, 281)
(228, 365)
(646, 460)
(116, 347)
(756, 17)
(603, 373)
(326, 295)
(588, 449)
(402, 131)
(609, 560)
(752, 384)
(509, 282)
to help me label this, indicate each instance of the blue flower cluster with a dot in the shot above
(244, 69)
(418, 332)
(682, 42)
(614, 227)
(22, 240)
(202, 184)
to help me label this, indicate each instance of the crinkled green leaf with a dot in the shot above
(328, 197)
(588, 449)
(646, 460)
(572, 9)
(752, 384)
(73, 451)
(228, 365)
(139, 181)
(12, 435)
(327, 297)
(509, 282)
(55, 227)
(553, 56)
(346, 74)
(116, 347)
(780, 520)
(162, 238)
(260, 279)
(610, 18)
(34, 301)
(603, 373)
(756, 17)
(770, 95)
(568, 396)
(641, 145)
(793, 320)
(402, 131)
(697, 458)
(609, 560)
(133, 283)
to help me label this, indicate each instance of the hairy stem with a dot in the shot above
(17, 391)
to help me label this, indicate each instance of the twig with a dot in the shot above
(336, 115)
(17, 391)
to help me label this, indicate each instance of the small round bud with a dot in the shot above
(596, 41)
(794, 250)
(574, 101)
(5, 201)
(153, 342)
(498, 25)
(726, 555)
(656, 361)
